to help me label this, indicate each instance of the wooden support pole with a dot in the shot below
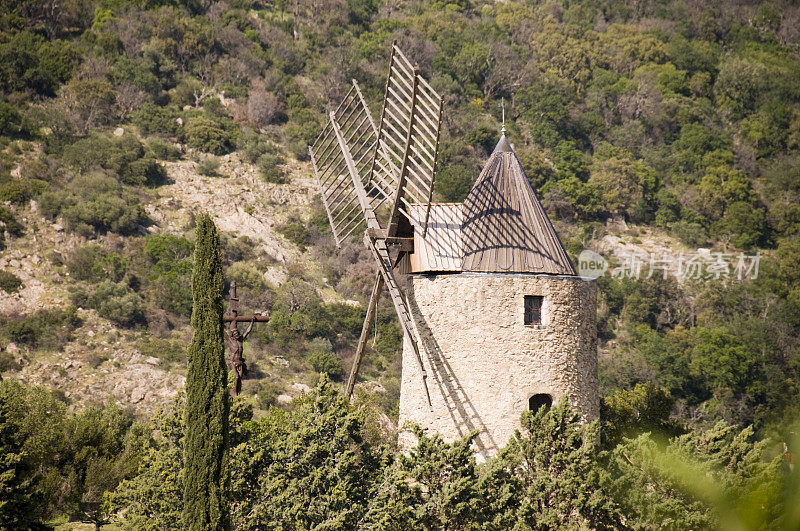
(258, 318)
(362, 341)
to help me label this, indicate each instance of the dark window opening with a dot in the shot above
(540, 400)
(533, 309)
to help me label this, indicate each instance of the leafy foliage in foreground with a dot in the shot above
(312, 467)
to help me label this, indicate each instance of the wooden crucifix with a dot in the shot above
(236, 338)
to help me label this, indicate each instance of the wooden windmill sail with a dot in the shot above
(373, 177)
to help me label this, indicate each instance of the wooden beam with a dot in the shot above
(258, 318)
(381, 254)
(372, 221)
(362, 341)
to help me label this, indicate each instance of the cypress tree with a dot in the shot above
(207, 398)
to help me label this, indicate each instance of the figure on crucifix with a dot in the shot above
(236, 338)
(237, 352)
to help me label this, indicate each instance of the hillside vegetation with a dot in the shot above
(121, 120)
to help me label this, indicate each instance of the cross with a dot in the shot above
(237, 338)
(502, 106)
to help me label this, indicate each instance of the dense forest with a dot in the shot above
(681, 118)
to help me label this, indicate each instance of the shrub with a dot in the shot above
(10, 120)
(691, 233)
(170, 270)
(117, 303)
(270, 168)
(207, 135)
(326, 363)
(37, 169)
(8, 363)
(263, 107)
(296, 232)
(125, 156)
(245, 275)
(95, 203)
(94, 263)
(21, 332)
(163, 150)
(8, 224)
(166, 350)
(51, 329)
(152, 119)
(252, 145)
(21, 191)
(88, 102)
(9, 282)
(208, 167)
(169, 253)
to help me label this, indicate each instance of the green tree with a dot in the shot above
(557, 463)
(716, 478)
(16, 482)
(628, 413)
(153, 498)
(207, 400)
(305, 469)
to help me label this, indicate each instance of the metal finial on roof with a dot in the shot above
(502, 106)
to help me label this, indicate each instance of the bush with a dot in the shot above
(263, 107)
(8, 363)
(270, 168)
(163, 150)
(9, 282)
(10, 120)
(125, 156)
(208, 167)
(296, 232)
(9, 223)
(691, 233)
(206, 135)
(50, 329)
(152, 119)
(37, 169)
(21, 332)
(245, 275)
(117, 303)
(326, 363)
(95, 264)
(95, 203)
(21, 191)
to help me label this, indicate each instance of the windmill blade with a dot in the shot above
(381, 254)
(404, 166)
(340, 196)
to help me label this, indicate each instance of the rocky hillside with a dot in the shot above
(102, 360)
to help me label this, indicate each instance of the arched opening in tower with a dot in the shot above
(540, 400)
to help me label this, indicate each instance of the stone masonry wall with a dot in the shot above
(484, 363)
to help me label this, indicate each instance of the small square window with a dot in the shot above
(533, 309)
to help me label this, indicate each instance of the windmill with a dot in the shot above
(373, 177)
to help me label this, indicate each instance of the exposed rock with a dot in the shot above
(372, 387)
(301, 388)
(284, 399)
(278, 360)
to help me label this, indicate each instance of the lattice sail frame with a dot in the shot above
(408, 142)
(395, 162)
(339, 196)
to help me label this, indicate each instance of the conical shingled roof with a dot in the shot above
(505, 228)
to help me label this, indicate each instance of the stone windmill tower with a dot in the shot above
(495, 321)
(506, 323)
